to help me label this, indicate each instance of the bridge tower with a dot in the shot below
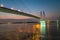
(42, 25)
(42, 15)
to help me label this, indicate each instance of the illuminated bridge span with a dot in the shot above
(8, 10)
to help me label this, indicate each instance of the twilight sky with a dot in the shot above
(51, 7)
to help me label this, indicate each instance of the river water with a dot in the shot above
(25, 31)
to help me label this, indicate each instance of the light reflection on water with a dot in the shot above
(17, 31)
(25, 32)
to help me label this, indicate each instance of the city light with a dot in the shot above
(20, 30)
(57, 24)
(38, 26)
(9, 22)
(36, 29)
(43, 23)
(43, 27)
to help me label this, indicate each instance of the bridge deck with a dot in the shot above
(4, 9)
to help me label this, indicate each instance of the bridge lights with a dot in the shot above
(43, 26)
(12, 8)
(1, 5)
(19, 10)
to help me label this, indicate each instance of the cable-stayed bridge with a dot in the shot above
(12, 11)
(8, 10)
